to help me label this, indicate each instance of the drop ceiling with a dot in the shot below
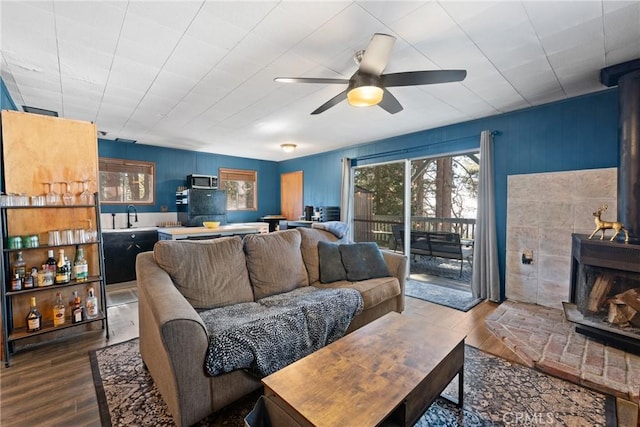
(198, 75)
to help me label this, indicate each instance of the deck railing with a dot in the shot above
(378, 228)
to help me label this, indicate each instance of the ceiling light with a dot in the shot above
(288, 148)
(365, 96)
(365, 91)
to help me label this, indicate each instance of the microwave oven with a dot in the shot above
(202, 181)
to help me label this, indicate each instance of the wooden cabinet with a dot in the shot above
(37, 150)
(120, 251)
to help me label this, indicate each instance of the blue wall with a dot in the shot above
(173, 166)
(579, 133)
(6, 102)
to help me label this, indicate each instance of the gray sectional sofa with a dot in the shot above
(181, 283)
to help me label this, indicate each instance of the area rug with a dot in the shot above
(447, 296)
(497, 393)
(547, 342)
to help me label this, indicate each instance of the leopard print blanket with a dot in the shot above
(269, 334)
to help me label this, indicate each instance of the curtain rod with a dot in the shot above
(410, 149)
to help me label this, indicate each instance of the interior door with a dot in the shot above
(291, 195)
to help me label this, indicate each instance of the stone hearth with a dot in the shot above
(547, 342)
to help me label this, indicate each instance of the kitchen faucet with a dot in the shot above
(129, 207)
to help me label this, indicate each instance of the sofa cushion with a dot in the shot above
(373, 291)
(274, 262)
(331, 268)
(309, 248)
(209, 273)
(363, 261)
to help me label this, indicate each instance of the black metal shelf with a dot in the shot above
(21, 333)
(11, 334)
(51, 246)
(92, 279)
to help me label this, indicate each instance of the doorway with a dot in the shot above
(442, 214)
(291, 195)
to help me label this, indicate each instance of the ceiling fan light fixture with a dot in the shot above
(288, 148)
(365, 96)
(365, 90)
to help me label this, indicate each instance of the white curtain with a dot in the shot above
(485, 279)
(346, 196)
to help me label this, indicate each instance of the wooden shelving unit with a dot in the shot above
(37, 150)
(11, 334)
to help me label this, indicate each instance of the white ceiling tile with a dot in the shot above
(199, 75)
(552, 17)
(194, 58)
(173, 14)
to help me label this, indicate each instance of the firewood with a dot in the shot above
(631, 298)
(616, 314)
(599, 292)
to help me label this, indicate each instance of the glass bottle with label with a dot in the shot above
(16, 283)
(91, 304)
(34, 318)
(19, 267)
(51, 262)
(62, 272)
(77, 314)
(58, 311)
(80, 267)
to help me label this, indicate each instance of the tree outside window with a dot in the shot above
(241, 188)
(126, 181)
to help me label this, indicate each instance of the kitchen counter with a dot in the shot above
(193, 233)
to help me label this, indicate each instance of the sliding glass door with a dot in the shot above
(443, 217)
(379, 204)
(401, 205)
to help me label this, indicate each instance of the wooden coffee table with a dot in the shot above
(390, 370)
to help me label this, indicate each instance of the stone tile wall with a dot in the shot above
(542, 212)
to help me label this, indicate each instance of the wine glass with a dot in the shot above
(86, 198)
(52, 198)
(68, 198)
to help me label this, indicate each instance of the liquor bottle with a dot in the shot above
(80, 267)
(58, 311)
(16, 283)
(91, 305)
(77, 314)
(51, 262)
(62, 271)
(19, 267)
(34, 318)
(29, 281)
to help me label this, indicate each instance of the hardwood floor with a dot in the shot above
(53, 385)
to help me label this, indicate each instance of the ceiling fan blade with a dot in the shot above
(411, 78)
(330, 103)
(377, 54)
(310, 80)
(390, 103)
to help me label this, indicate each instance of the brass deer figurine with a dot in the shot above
(608, 225)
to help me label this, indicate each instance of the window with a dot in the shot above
(126, 181)
(241, 189)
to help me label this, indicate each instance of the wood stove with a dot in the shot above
(605, 291)
(605, 276)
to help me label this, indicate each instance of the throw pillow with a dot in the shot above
(309, 248)
(331, 268)
(209, 273)
(363, 261)
(275, 262)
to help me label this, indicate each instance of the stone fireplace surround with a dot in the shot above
(543, 210)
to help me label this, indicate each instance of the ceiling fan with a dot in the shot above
(368, 86)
